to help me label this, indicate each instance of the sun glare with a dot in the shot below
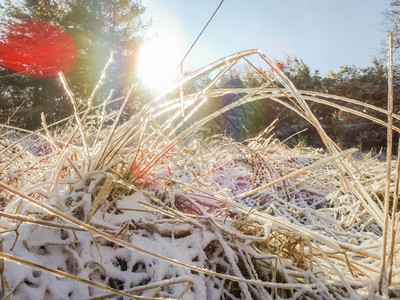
(158, 61)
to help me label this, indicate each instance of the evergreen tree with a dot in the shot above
(98, 27)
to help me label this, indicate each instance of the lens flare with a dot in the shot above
(37, 48)
(158, 61)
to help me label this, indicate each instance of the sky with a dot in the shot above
(325, 34)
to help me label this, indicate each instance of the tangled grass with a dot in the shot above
(146, 209)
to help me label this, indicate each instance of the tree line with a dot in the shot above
(368, 85)
(100, 26)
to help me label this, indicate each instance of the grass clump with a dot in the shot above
(148, 209)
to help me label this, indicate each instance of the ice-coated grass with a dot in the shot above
(147, 208)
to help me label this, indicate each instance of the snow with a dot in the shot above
(192, 218)
(135, 218)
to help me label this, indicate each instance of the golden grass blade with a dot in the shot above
(154, 285)
(383, 281)
(103, 117)
(99, 84)
(196, 107)
(101, 197)
(393, 235)
(3, 285)
(352, 111)
(76, 115)
(106, 144)
(59, 273)
(352, 101)
(39, 222)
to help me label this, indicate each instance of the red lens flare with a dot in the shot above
(37, 48)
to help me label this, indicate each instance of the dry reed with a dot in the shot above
(147, 209)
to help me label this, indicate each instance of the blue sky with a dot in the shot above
(324, 33)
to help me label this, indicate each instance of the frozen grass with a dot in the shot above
(148, 209)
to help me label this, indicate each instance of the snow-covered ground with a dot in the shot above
(148, 209)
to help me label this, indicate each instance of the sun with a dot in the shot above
(158, 61)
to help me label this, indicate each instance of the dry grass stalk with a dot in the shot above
(256, 220)
(70, 276)
(383, 284)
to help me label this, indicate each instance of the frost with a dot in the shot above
(152, 209)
